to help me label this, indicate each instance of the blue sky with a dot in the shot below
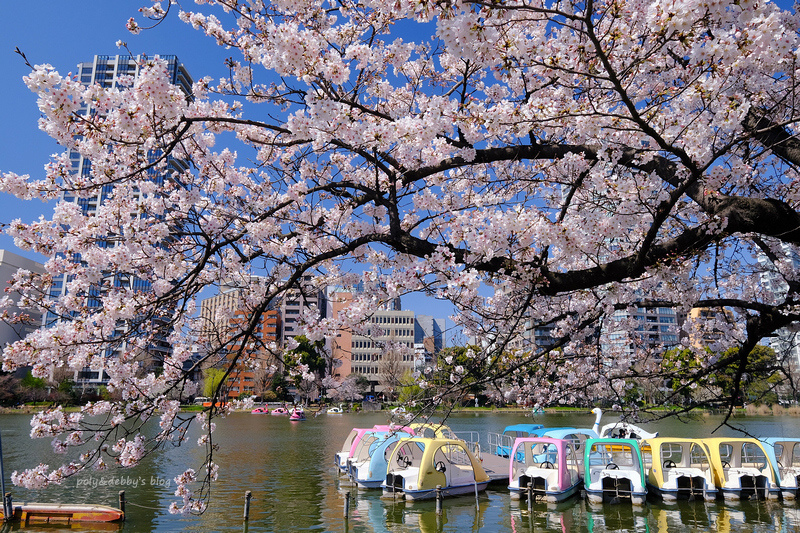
(63, 34)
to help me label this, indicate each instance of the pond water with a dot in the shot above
(289, 469)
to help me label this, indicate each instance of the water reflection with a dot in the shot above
(290, 471)
(370, 513)
(617, 518)
(698, 514)
(542, 515)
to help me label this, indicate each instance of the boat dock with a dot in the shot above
(495, 466)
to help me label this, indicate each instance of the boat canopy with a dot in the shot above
(782, 452)
(444, 462)
(522, 430)
(548, 454)
(732, 452)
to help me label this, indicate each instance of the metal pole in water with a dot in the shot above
(247, 496)
(8, 507)
(346, 505)
(6, 511)
(530, 493)
(438, 499)
(122, 503)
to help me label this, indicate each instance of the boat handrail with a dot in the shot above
(470, 437)
(499, 441)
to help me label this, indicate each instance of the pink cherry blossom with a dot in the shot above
(536, 165)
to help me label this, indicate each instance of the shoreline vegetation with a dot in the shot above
(747, 410)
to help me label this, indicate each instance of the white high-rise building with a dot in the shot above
(297, 299)
(786, 342)
(655, 327)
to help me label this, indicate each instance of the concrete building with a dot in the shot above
(10, 263)
(707, 317)
(786, 342)
(109, 71)
(256, 361)
(655, 327)
(341, 346)
(386, 350)
(216, 314)
(305, 296)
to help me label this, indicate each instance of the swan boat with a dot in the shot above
(741, 468)
(279, 411)
(784, 455)
(418, 465)
(298, 414)
(620, 430)
(260, 411)
(679, 469)
(546, 468)
(614, 470)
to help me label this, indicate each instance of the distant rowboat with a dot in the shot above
(64, 513)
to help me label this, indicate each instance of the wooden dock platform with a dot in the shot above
(495, 466)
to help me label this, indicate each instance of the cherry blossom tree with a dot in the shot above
(534, 162)
(346, 389)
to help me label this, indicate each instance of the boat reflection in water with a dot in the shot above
(617, 518)
(564, 516)
(721, 517)
(492, 512)
(373, 514)
(461, 514)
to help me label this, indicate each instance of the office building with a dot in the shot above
(786, 342)
(116, 71)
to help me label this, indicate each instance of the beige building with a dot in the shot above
(224, 302)
(386, 350)
(341, 345)
(705, 318)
